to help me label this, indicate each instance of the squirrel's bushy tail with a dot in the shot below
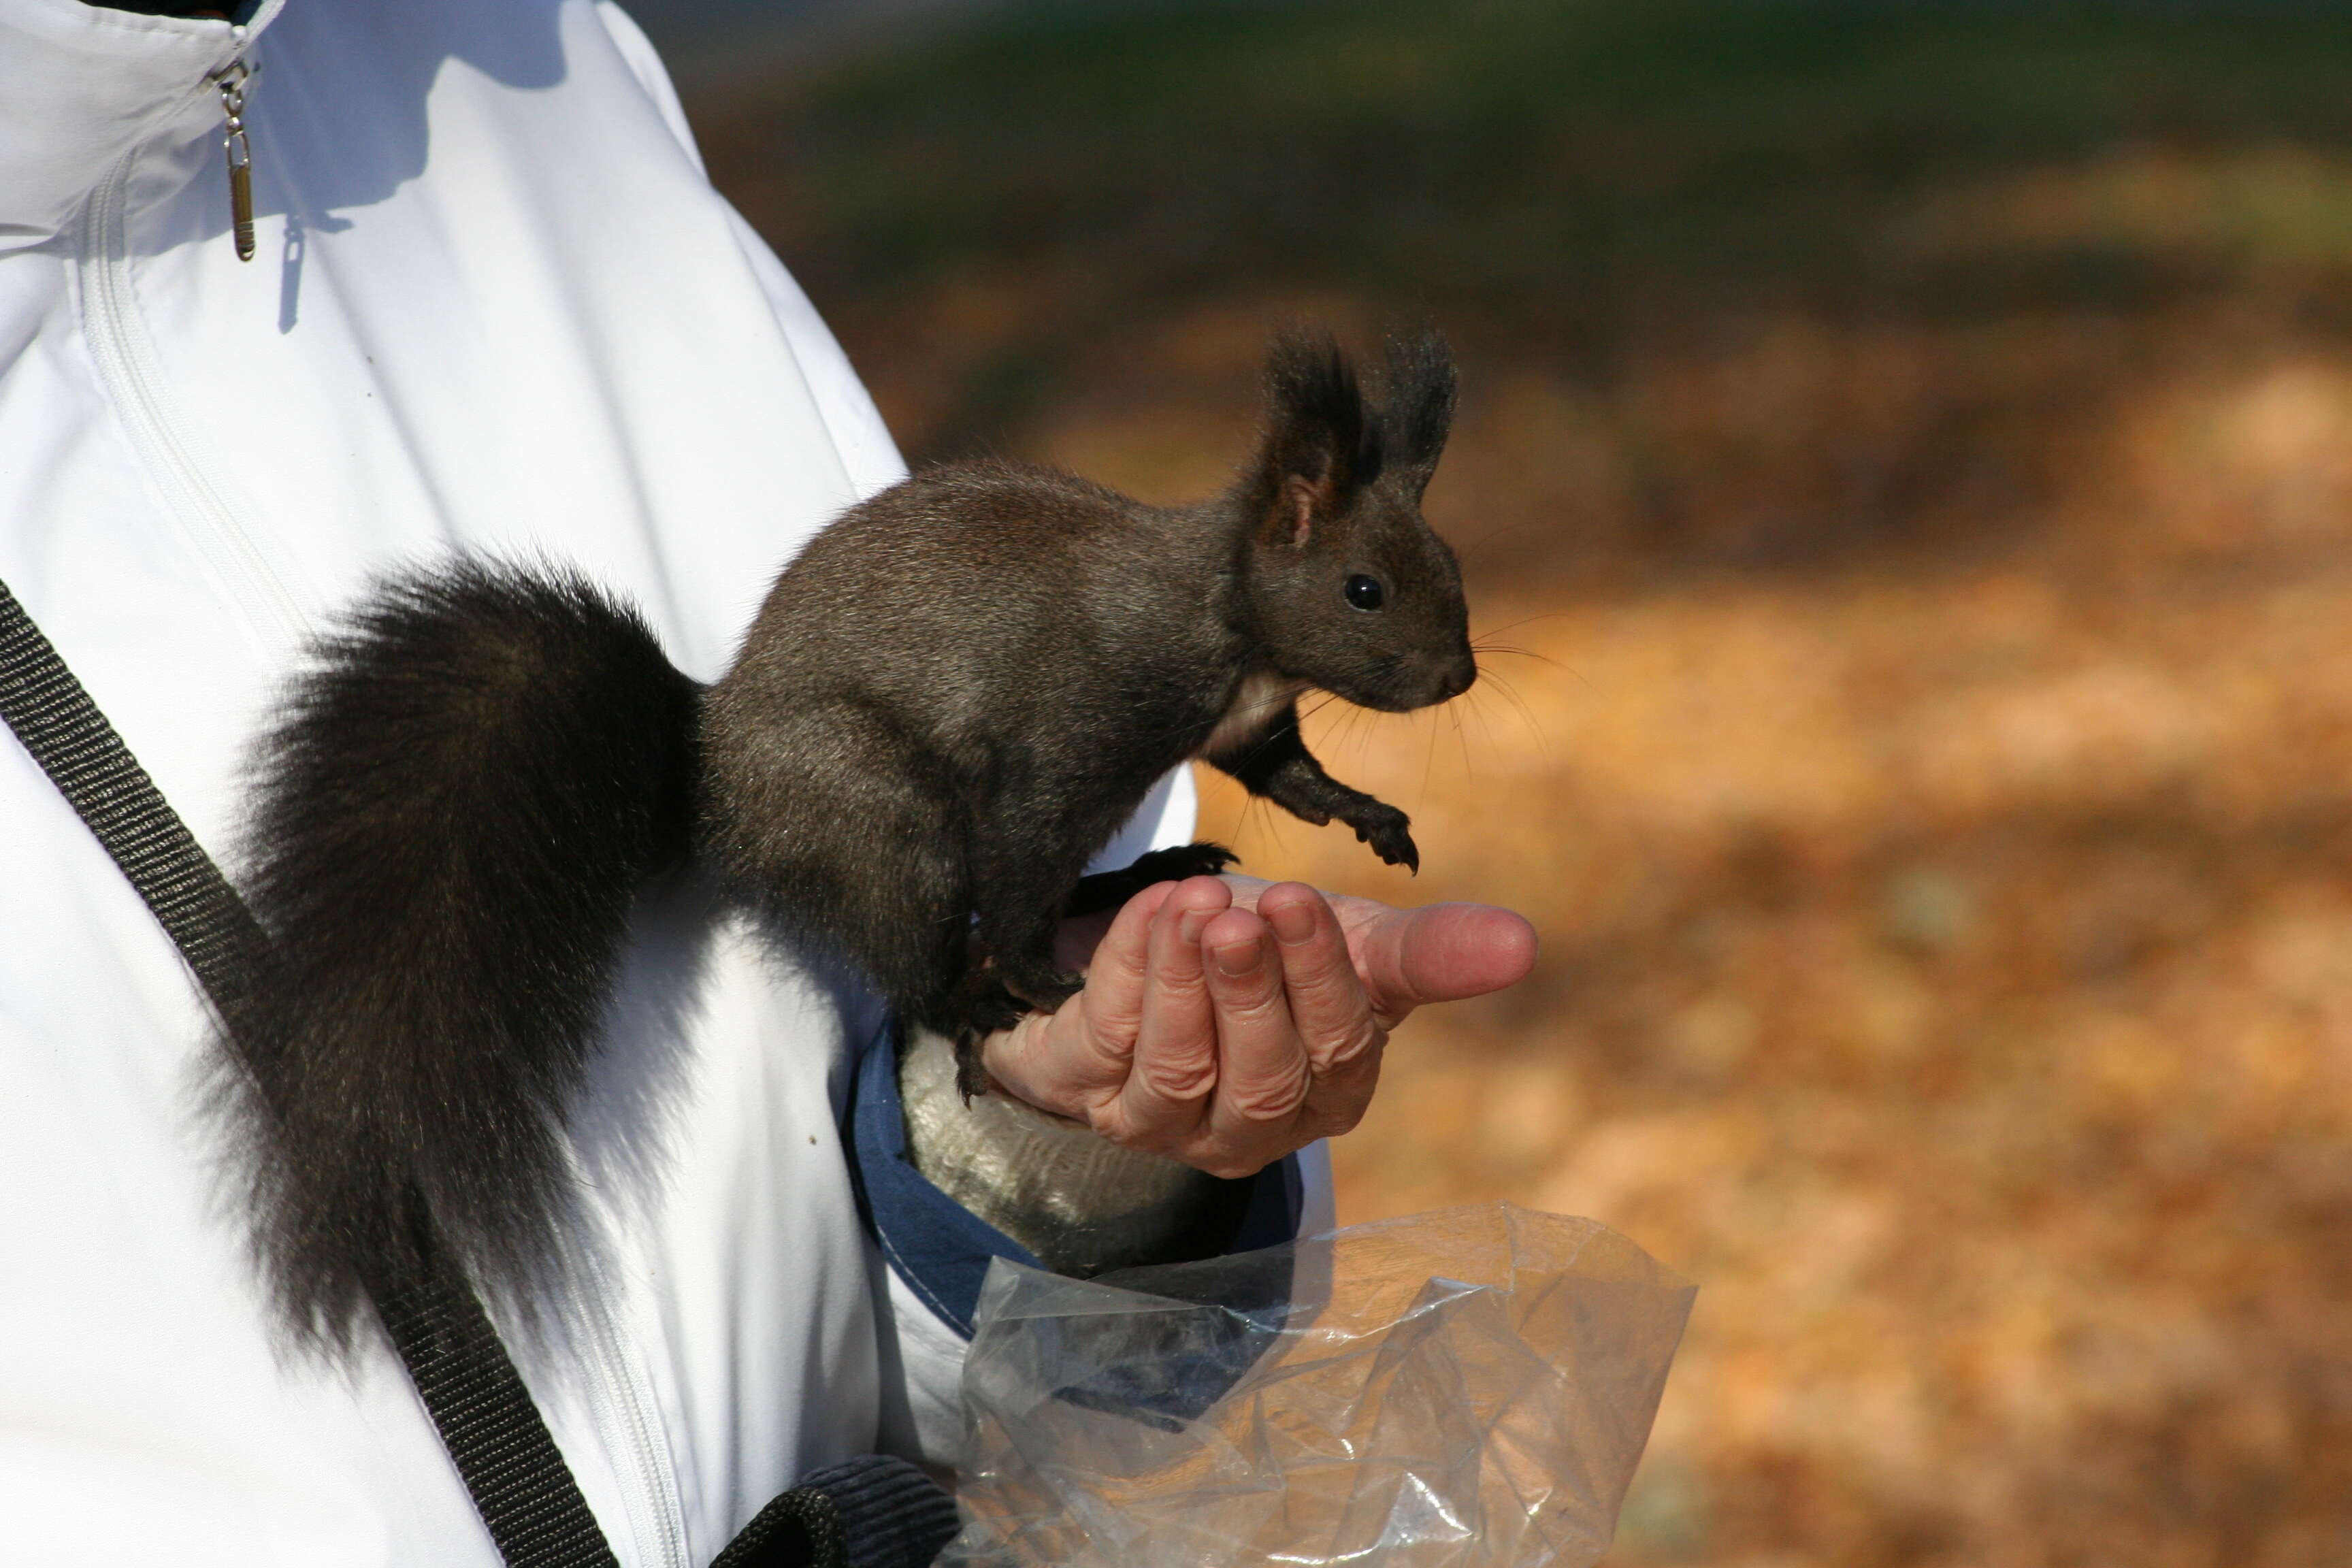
(454, 816)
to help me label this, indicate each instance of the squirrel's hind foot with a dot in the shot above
(988, 1002)
(971, 1073)
(982, 1006)
(1043, 988)
(1110, 889)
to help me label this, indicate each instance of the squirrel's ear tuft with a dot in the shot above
(1319, 447)
(1417, 406)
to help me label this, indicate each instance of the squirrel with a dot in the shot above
(949, 701)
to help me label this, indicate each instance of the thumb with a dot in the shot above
(1442, 952)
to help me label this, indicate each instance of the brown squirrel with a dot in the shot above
(948, 702)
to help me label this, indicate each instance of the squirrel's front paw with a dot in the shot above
(1384, 829)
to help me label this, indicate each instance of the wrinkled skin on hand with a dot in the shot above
(1227, 1022)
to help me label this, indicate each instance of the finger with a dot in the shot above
(1327, 999)
(1442, 952)
(1175, 1065)
(1030, 1061)
(1262, 1071)
(1082, 1054)
(1116, 971)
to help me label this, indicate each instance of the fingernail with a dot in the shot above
(1189, 924)
(1238, 958)
(1293, 923)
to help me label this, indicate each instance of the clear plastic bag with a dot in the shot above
(1468, 1387)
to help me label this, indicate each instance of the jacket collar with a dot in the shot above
(87, 86)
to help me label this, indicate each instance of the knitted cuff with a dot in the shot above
(1080, 1202)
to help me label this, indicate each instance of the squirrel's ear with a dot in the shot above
(1418, 405)
(1320, 449)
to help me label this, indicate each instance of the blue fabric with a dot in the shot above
(939, 1247)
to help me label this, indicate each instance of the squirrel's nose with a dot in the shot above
(1462, 676)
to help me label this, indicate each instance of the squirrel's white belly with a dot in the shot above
(1257, 704)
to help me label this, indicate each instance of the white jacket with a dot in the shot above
(495, 306)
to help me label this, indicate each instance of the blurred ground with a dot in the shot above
(1905, 482)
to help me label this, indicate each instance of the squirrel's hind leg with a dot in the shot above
(825, 813)
(1022, 874)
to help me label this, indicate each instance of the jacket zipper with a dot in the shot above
(128, 369)
(622, 1397)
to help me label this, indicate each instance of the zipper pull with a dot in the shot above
(238, 150)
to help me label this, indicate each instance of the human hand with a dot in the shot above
(1226, 1022)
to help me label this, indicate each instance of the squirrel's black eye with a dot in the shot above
(1365, 593)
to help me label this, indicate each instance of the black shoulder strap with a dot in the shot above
(517, 1478)
(872, 1511)
(88, 761)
